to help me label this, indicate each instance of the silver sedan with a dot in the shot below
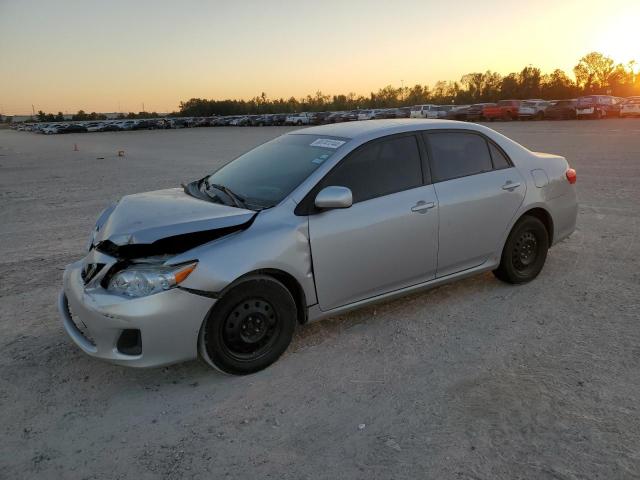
(309, 225)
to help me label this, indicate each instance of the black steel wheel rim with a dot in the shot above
(525, 251)
(250, 329)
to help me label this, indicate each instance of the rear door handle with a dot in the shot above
(511, 186)
(422, 206)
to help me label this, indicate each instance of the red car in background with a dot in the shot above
(503, 110)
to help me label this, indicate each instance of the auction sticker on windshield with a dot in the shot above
(327, 143)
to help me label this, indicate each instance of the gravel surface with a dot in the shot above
(474, 380)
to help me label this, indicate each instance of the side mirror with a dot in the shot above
(334, 197)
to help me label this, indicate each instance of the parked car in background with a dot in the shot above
(241, 121)
(350, 116)
(262, 120)
(385, 113)
(532, 109)
(424, 111)
(303, 118)
(146, 124)
(367, 114)
(126, 124)
(73, 128)
(598, 106)
(561, 110)
(630, 107)
(179, 123)
(334, 117)
(503, 110)
(443, 111)
(319, 118)
(53, 128)
(458, 112)
(403, 112)
(94, 126)
(110, 127)
(278, 119)
(475, 111)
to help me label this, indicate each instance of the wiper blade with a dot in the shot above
(237, 200)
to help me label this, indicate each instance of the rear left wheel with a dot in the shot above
(250, 327)
(525, 251)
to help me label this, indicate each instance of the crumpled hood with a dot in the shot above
(145, 218)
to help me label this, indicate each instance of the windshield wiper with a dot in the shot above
(237, 200)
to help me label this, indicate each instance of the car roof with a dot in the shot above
(377, 128)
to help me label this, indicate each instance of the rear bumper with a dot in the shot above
(168, 322)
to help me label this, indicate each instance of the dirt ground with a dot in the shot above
(474, 380)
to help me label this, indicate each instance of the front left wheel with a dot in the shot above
(250, 326)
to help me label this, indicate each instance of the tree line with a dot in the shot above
(595, 73)
(83, 116)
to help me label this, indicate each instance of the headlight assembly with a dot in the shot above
(143, 280)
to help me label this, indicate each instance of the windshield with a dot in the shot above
(265, 175)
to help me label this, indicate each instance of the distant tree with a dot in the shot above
(510, 87)
(472, 86)
(595, 71)
(59, 117)
(80, 116)
(592, 72)
(491, 82)
(621, 80)
(529, 81)
(444, 92)
(418, 94)
(558, 85)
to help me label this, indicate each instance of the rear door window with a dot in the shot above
(457, 154)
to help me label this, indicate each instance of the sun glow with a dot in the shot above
(619, 39)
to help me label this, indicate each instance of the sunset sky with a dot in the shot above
(114, 55)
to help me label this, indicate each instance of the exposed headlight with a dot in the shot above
(143, 280)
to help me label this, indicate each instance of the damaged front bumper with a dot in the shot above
(141, 332)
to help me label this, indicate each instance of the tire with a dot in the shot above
(299, 123)
(525, 251)
(597, 115)
(249, 327)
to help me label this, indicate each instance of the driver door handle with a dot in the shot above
(511, 186)
(422, 206)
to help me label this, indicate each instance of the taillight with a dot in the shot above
(571, 176)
